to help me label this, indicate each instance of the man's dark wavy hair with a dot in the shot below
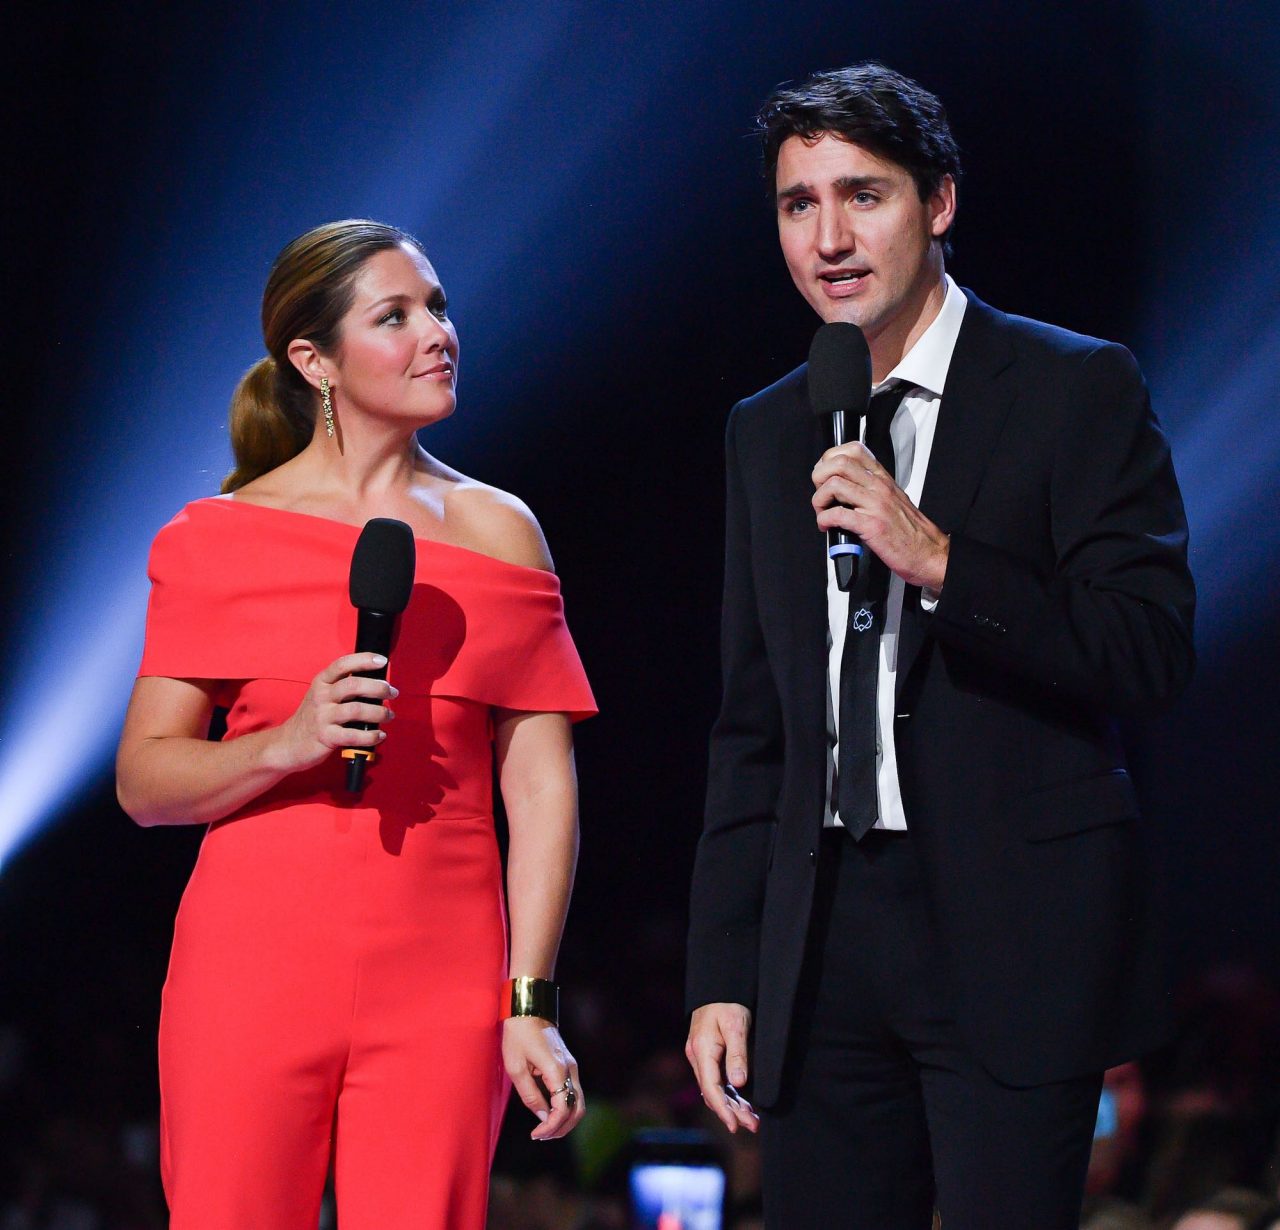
(870, 105)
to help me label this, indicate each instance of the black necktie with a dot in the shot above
(856, 799)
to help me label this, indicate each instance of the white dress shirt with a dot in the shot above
(924, 370)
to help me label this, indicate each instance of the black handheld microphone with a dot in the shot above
(840, 388)
(382, 567)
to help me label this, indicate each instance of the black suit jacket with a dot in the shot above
(1067, 604)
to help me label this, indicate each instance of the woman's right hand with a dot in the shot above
(336, 696)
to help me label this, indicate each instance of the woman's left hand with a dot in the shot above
(539, 1065)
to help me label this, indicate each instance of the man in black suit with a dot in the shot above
(921, 915)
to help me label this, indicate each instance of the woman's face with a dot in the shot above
(398, 355)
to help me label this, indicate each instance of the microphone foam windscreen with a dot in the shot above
(839, 369)
(382, 566)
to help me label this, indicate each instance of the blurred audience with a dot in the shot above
(1188, 1140)
(1231, 1208)
(1115, 1215)
(1116, 1162)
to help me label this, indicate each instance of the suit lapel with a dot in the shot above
(974, 406)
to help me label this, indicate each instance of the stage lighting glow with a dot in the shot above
(59, 735)
(1215, 384)
(1210, 341)
(1228, 457)
(447, 145)
(493, 133)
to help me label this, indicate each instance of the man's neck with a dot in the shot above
(890, 345)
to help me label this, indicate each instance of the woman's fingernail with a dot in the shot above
(542, 1114)
(379, 660)
(394, 692)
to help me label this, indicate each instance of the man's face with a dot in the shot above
(859, 242)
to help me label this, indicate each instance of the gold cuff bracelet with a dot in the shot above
(531, 997)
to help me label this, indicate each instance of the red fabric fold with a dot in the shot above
(241, 591)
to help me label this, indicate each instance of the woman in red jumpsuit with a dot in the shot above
(336, 988)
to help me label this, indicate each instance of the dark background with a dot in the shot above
(584, 179)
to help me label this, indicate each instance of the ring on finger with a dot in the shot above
(570, 1093)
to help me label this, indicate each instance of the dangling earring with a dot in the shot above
(327, 402)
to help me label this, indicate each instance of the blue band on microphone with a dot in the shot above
(844, 548)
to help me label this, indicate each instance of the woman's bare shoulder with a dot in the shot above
(494, 522)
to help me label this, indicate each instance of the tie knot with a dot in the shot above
(883, 406)
(880, 412)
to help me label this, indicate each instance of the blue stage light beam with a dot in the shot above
(182, 312)
(1228, 457)
(42, 765)
(1210, 342)
(451, 141)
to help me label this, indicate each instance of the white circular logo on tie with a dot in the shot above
(862, 619)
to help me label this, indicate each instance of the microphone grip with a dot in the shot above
(374, 631)
(845, 555)
(843, 548)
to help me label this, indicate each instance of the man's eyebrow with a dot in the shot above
(856, 183)
(800, 189)
(846, 183)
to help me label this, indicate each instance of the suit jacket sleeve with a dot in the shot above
(1110, 622)
(744, 779)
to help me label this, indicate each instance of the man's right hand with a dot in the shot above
(717, 1052)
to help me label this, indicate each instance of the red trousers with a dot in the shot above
(333, 991)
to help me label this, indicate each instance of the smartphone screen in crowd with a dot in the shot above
(677, 1182)
(1108, 1120)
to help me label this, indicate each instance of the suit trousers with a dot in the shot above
(885, 1113)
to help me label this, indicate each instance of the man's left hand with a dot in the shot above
(855, 493)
